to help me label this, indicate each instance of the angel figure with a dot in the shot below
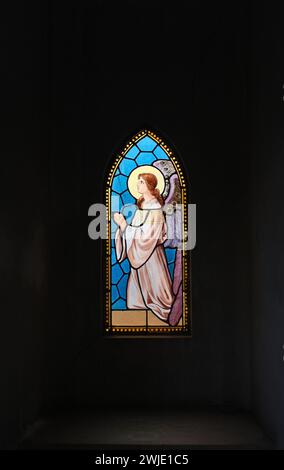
(142, 242)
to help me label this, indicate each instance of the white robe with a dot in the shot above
(149, 284)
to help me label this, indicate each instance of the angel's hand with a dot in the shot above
(123, 224)
(118, 218)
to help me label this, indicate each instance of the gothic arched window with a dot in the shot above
(147, 272)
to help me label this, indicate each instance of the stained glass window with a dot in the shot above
(147, 263)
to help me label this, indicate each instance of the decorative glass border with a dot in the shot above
(185, 329)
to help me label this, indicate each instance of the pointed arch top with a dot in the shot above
(145, 140)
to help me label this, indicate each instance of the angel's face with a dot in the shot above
(141, 186)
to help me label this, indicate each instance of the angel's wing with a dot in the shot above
(168, 169)
(173, 209)
(173, 213)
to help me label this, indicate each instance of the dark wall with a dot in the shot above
(80, 79)
(267, 93)
(24, 196)
(117, 67)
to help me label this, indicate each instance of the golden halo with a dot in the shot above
(133, 177)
